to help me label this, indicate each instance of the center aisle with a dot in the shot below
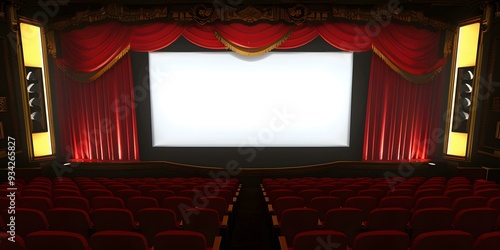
(250, 229)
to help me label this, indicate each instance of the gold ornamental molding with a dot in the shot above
(203, 14)
(384, 14)
(114, 12)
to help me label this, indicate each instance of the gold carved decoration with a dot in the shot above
(110, 12)
(203, 14)
(384, 14)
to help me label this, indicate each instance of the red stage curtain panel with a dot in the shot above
(401, 117)
(414, 50)
(93, 47)
(97, 119)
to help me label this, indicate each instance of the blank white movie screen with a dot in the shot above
(222, 99)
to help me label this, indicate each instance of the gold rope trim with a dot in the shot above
(51, 43)
(419, 79)
(88, 77)
(252, 52)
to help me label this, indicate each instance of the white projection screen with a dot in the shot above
(222, 99)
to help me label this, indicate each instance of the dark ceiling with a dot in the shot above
(450, 11)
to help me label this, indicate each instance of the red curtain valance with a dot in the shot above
(89, 52)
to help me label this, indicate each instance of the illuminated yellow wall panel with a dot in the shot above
(41, 144)
(467, 45)
(466, 56)
(33, 56)
(32, 45)
(457, 144)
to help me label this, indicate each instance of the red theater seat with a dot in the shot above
(112, 219)
(118, 240)
(345, 220)
(56, 240)
(321, 239)
(388, 219)
(6, 244)
(297, 220)
(431, 219)
(381, 240)
(487, 241)
(443, 240)
(72, 202)
(71, 220)
(476, 221)
(183, 239)
(155, 220)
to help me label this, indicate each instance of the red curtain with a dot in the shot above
(391, 132)
(97, 119)
(400, 115)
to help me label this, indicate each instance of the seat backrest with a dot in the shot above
(36, 192)
(117, 240)
(431, 219)
(457, 193)
(91, 193)
(487, 241)
(345, 220)
(180, 239)
(42, 204)
(401, 192)
(388, 219)
(405, 202)
(72, 202)
(28, 221)
(135, 204)
(308, 194)
(286, 202)
(325, 239)
(56, 240)
(155, 220)
(160, 194)
(71, 220)
(65, 192)
(476, 221)
(428, 192)
(106, 202)
(462, 203)
(365, 203)
(273, 195)
(218, 204)
(178, 204)
(324, 203)
(382, 240)
(494, 202)
(488, 193)
(343, 194)
(203, 220)
(433, 201)
(17, 244)
(446, 239)
(372, 192)
(125, 194)
(297, 220)
(112, 219)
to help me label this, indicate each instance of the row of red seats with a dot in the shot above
(107, 240)
(93, 207)
(352, 214)
(392, 240)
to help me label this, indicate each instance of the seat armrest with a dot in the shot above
(217, 243)
(276, 224)
(225, 220)
(283, 245)
(320, 224)
(266, 199)
(235, 199)
(270, 208)
(230, 208)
